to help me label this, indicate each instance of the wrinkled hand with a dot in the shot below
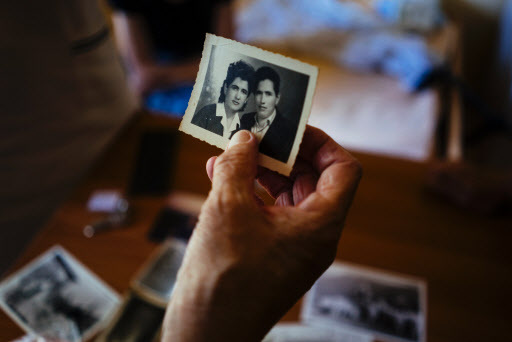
(246, 263)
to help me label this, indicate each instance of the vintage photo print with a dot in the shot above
(295, 332)
(243, 87)
(158, 275)
(388, 306)
(55, 294)
(138, 320)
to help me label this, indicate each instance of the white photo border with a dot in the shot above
(378, 275)
(266, 56)
(49, 255)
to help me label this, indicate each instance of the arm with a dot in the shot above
(144, 74)
(246, 263)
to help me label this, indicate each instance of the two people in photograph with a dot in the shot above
(274, 131)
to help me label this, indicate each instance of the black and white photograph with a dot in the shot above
(241, 87)
(391, 307)
(158, 275)
(55, 294)
(138, 320)
(296, 332)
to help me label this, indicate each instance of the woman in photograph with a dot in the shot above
(222, 118)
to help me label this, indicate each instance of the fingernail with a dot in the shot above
(240, 137)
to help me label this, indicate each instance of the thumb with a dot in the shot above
(236, 168)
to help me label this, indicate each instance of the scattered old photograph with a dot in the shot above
(56, 295)
(138, 320)
(296, 332)
(158, 276)
(351, 297)
(243, 87)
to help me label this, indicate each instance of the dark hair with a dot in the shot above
(237, 69)
(267, 73)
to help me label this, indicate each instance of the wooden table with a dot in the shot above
(394, 224)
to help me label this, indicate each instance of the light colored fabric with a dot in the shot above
(62, 100)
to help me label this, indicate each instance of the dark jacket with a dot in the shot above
(207, 119)
(278, 141)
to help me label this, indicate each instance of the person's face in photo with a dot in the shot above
(266, 98)
(236, 94)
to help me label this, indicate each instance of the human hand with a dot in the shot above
(247, 263)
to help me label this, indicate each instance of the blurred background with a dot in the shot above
(427, 82)
(375, 54)
(74, 72)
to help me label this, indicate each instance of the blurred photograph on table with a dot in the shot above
(157, 277)
(368, 301)
(138, 320)
(58, 298)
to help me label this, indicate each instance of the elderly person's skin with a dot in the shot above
(246, 263)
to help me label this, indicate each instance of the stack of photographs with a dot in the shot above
(56, 297)
(141, 315)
